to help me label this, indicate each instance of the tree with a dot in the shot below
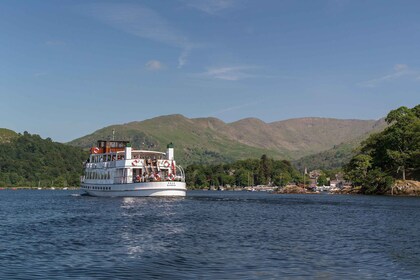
(376, 182)
(265, 170)
(400, 137)
(282, 179)
(322, 180)
(358, 168)
(241, 177)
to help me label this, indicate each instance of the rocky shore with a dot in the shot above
(293, 189)
(400, 188)
(406, 188)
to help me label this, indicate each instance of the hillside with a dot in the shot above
(29, 160)
(210, 140)
(339, 155)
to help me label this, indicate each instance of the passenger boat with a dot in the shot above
(115, 169)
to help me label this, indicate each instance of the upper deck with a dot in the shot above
(109, 146)
(108, 150)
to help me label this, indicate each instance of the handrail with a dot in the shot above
(182, 173)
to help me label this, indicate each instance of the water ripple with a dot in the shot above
(208, 235)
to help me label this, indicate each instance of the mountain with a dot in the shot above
(339, 154)
(210, 140)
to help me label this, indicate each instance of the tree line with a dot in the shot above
(389, 155)
(30, 161)
(241, 173)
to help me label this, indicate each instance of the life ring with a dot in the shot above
(135, 162)
(157, 177)
(166, 163)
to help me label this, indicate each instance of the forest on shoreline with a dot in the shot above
(27, 160)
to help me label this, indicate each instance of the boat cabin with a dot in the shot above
(107, 146)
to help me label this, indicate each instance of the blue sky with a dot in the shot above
(68, 68)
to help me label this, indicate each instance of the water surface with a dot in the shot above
(208, 235)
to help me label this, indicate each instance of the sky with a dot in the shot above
(69, 68)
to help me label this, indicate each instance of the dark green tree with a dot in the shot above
(389, 155)
(400, 137)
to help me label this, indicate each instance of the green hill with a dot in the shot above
(28, 160)
(210, 140)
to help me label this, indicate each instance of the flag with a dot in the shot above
(306, 171)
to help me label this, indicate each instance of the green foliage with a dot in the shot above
(248, 172)
(391, 154)
(376, 182)
(357, 169)
(29, 160)
(322, 180)
(333, 158)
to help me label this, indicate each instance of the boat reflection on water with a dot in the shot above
(151, 225)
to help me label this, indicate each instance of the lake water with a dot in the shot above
(208, 235)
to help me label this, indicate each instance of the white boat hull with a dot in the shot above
(166, 188)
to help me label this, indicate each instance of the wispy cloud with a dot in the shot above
(142, 22)
(238, 107)
(182, 59)
(400, 67)
(230, 73)
(154, 65)
(210, 6)
(400, 71)
(232, 108)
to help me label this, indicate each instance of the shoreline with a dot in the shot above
(407, 188)
(40, 188)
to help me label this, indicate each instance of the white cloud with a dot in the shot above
(232, 73)
(154, 65)
(400, 71)
(210, 6)
(182, 59)
(142, 22)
